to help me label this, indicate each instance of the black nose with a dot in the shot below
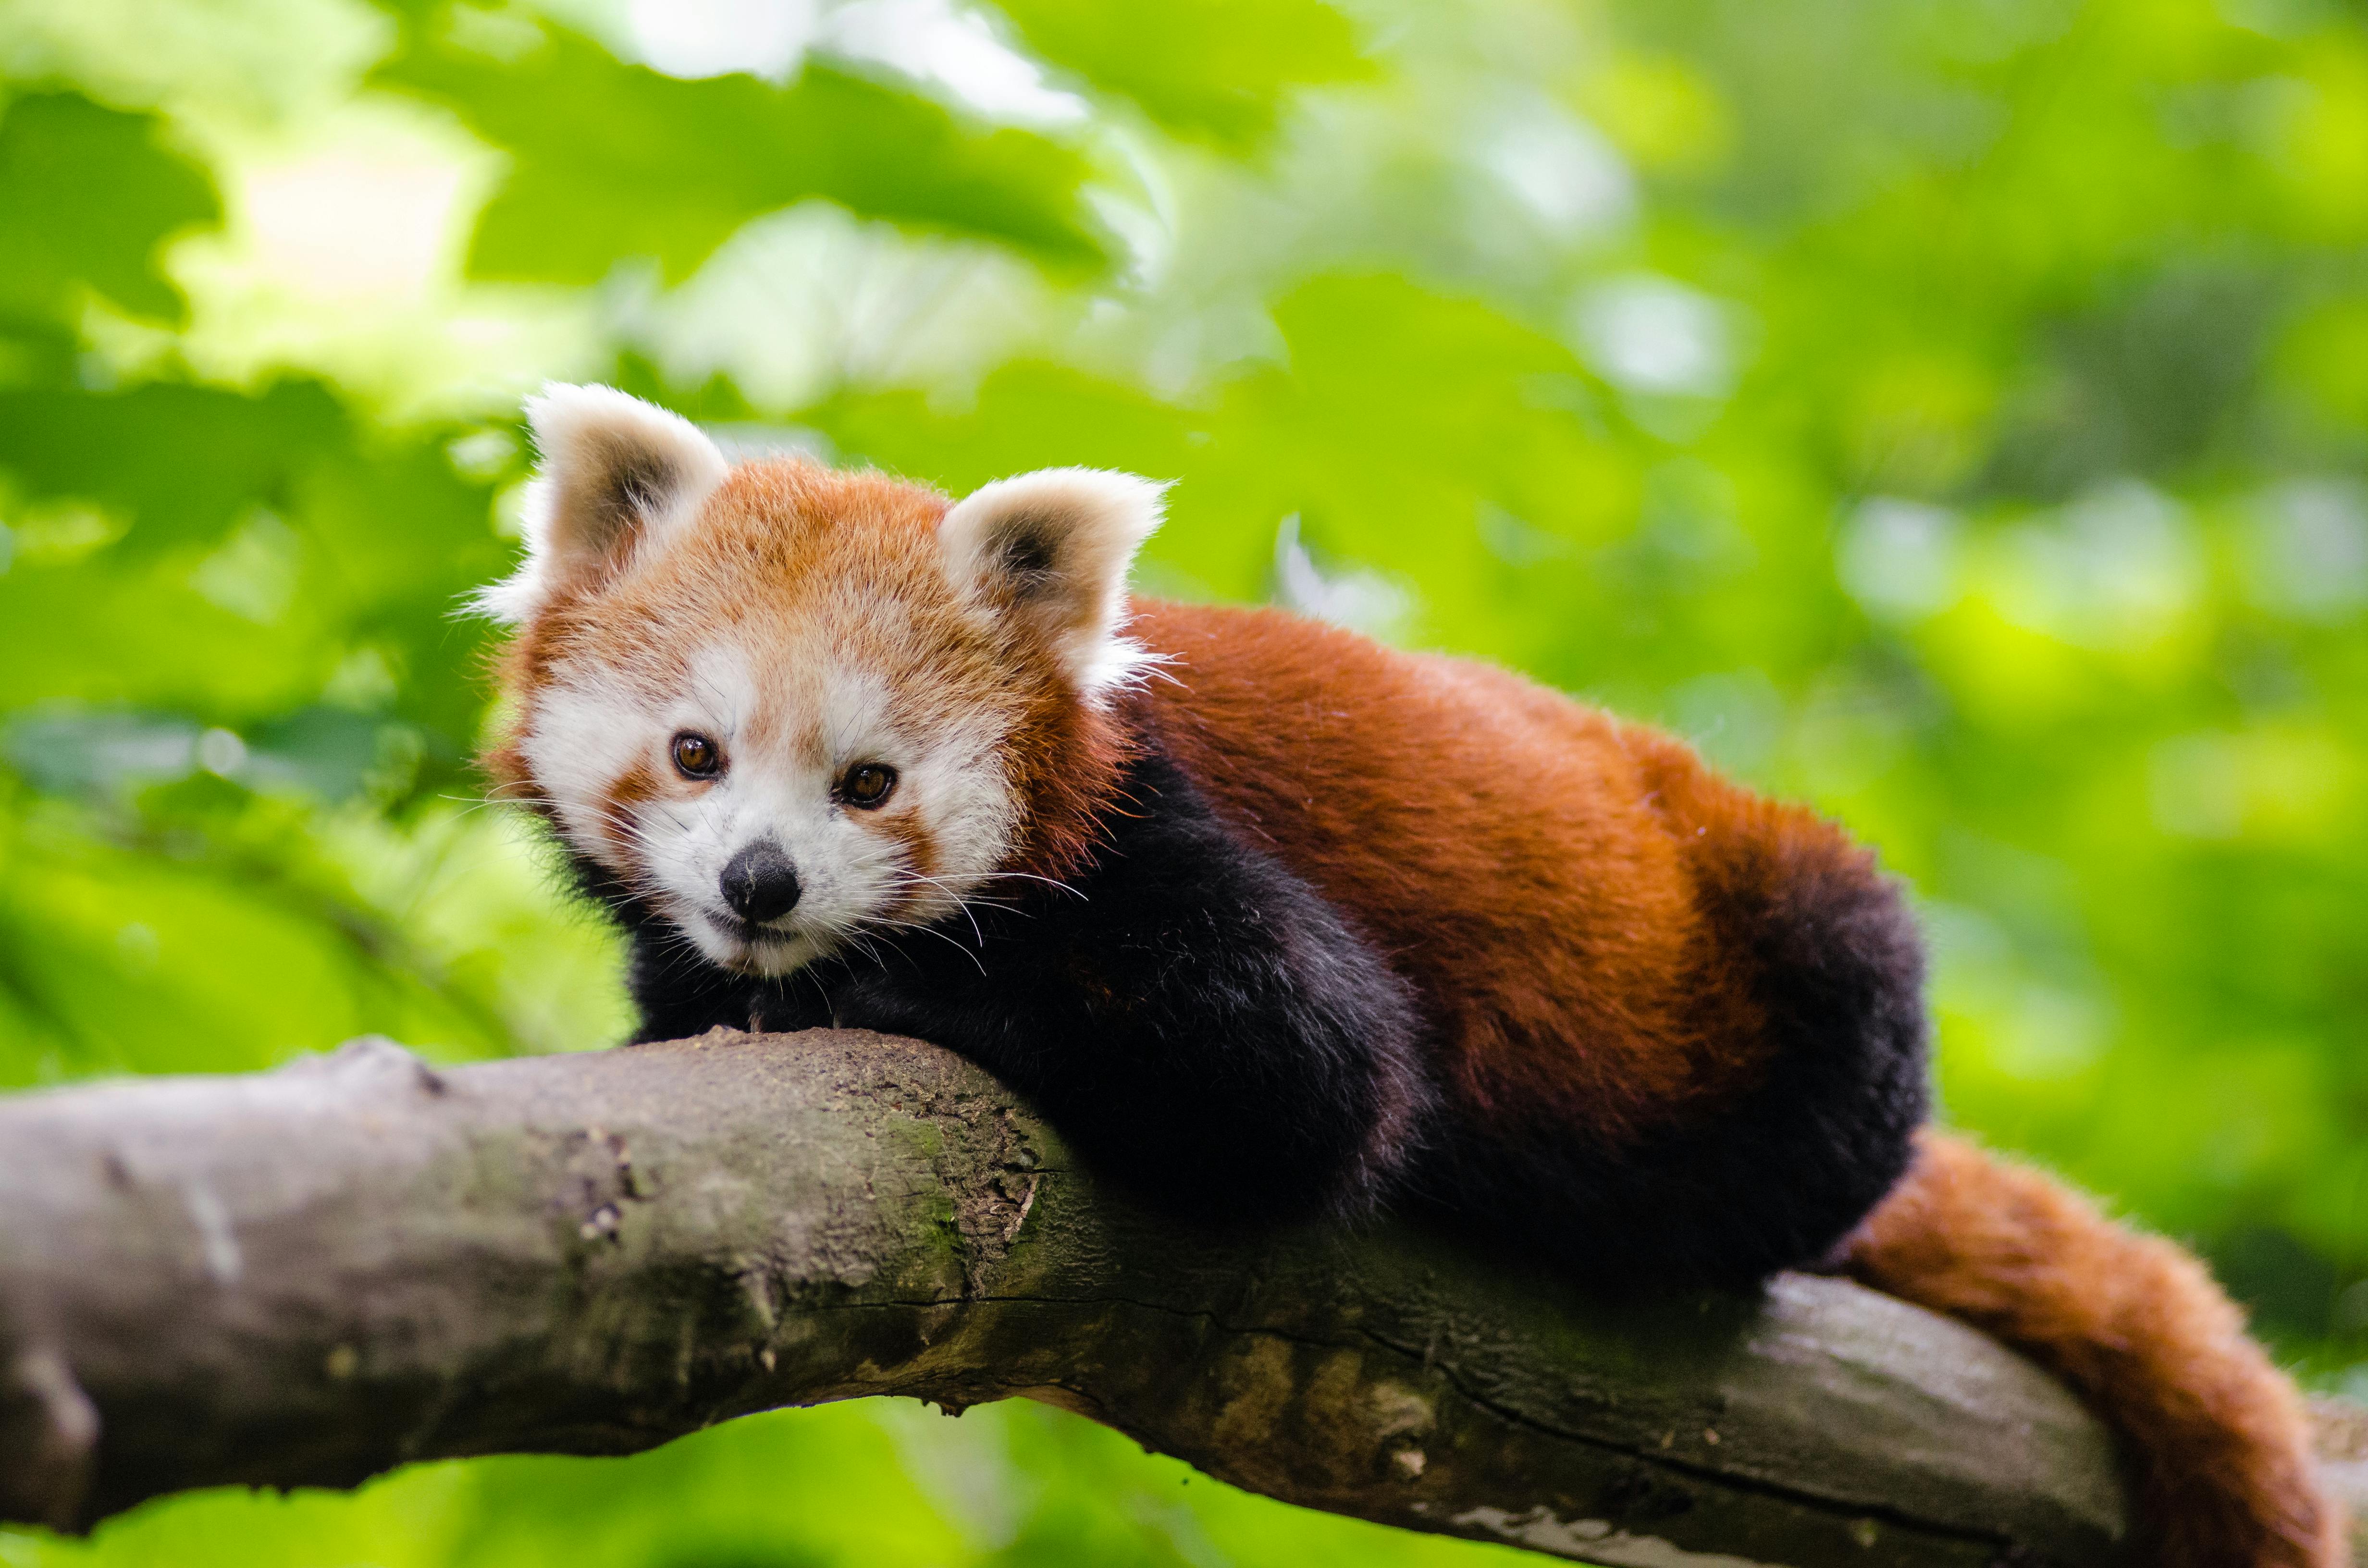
(759, 883)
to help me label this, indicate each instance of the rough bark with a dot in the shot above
(310, 1276)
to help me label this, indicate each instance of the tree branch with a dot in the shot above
(310, 1276)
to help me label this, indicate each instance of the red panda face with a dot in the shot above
(784, 706)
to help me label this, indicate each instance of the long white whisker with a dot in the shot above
(941, 936)
(1032, 877)
(960, 903)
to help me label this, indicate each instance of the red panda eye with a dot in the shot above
(696, 757)
(867, 785)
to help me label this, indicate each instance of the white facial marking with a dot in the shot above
(790, 726)
(584, 732)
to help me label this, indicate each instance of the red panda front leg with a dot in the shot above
(1196, 1020)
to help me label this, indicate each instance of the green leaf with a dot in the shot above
(87, 197)
(1216, 70)
(265, 540)
(181, 463)
(236, 949)
(612, 161)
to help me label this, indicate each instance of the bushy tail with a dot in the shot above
(2215, 1439)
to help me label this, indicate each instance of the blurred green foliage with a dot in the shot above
(598, 172)
(1951, 411)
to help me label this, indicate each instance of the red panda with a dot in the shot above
(1271, 919)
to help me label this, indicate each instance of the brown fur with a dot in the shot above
(2217, 1441)
(1462, 814)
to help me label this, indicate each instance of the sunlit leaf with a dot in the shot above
(611, 161)
(1215, 70)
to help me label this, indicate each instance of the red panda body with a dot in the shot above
(1642, 988)
(1272, 919)
(1513, 849)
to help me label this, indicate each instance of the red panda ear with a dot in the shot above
(615, 470)
(1054, 547)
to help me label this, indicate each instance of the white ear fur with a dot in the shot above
(1054, 546)
(615, 470)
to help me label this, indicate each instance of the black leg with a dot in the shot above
(1195, 1019)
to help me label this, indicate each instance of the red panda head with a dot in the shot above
(782, 705)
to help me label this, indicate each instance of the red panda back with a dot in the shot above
(1551, 880)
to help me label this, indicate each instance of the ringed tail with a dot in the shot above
(2215, 1441)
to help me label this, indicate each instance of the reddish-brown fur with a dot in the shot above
(2217, 1440)
(1463, 815)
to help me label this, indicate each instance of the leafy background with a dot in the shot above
(1951, 411)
